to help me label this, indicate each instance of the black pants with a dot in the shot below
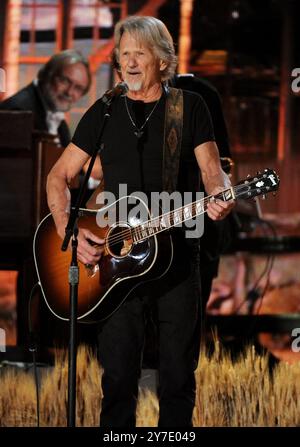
(176, 298)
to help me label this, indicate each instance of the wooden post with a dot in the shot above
(285, 94)
(10, 22)
(64, 29)
(3, 21)
(186, 11)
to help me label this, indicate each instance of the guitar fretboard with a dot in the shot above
(178, 216)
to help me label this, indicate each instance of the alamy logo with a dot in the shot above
(296, 342)
(296, 81)
(2, 80)
(167, 210)
(2, 340)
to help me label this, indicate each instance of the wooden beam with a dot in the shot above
(185, 40)
(3, 17)
(10, 13)
(285, 93)
(65, 29)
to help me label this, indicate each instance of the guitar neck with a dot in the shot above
(262, 183)
(179, 216)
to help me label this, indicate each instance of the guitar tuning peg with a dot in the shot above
(248, 176)
(263, 196)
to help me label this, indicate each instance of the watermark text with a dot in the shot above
(2, 80)
(2, 340)
(159, 210)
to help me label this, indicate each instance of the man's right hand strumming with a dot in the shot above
(90, 247)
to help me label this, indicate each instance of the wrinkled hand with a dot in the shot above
(90, 247)
(218, 210)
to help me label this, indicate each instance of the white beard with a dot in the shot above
(134, 86)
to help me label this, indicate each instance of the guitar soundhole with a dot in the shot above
(119, 241)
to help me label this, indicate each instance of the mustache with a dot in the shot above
(64, 97)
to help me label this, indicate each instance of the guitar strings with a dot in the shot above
(121, 236)
(113, 240)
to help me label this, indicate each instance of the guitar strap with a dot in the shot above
(172, 144)
(172, 138)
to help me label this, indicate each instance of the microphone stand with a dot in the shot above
(72, 232)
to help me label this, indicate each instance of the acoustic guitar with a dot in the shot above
(136, 250)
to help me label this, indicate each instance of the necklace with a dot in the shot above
(139, 131)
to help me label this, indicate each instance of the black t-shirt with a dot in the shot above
(138, 162)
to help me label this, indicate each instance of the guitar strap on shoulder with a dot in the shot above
(172, 144)
(172, 138)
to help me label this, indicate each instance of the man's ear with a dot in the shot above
(162, 65)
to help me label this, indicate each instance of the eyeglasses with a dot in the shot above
(67, 82)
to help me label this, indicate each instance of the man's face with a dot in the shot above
(68, 87)
(140, 67)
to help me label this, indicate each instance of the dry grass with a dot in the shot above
(54, 391)
(228, 394)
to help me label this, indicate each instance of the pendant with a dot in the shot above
(139, 133)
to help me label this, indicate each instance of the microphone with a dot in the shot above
(119, 89)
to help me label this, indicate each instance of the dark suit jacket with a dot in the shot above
(29, 98)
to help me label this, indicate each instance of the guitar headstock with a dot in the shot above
(260, 184)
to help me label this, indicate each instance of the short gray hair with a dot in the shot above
(152, 32)
(56, 64)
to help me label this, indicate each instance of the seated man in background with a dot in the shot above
(62, 81)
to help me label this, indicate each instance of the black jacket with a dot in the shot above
(29, 98)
